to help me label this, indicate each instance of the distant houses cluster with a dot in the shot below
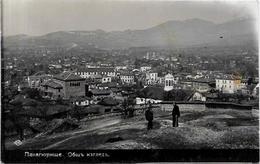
(96, 83)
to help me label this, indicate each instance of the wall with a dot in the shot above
(184, 107)
(74, 91)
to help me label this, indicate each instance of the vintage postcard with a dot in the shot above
(129, 81)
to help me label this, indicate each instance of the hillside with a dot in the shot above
(199, 129)
(192, 32)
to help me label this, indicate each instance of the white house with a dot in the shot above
(120, 68)
(127, 78)
(228, 84)
(169, 81)
(197, 96)
(145, 68)
(90, 72)
(141, 101)
(106, 79)
(151, 77)
(81, 101)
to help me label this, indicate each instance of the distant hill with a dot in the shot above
(192, 32)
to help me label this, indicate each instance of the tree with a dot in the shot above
(131, 107)
(43, 111)
(128, 106)
(19, 121)
(76, 112)
(32, 93)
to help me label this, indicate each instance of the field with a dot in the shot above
(199, 129)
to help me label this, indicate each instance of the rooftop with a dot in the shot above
(229, 77)
(68, 76)
(101, 69)
(52, 84)
(100, 92)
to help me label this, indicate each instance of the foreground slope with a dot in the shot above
(207, 129)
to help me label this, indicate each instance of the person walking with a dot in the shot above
(149, 117)
(175, 115)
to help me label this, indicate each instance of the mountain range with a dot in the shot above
(187, 33)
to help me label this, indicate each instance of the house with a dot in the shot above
(106, 79)
(145, 68)
(82, 101)
(52, 89)
(151, 78)
(244, 83)
(117, 68)
(98, 94)
(127, 78)
(90, 72)
(201, 85)
(107, 85)
(197, 96)
(169, 81)
(228, 84)
(66, 85)
(36, 80)
(161, 80)
(142, 101)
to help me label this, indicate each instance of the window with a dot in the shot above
(75, 84)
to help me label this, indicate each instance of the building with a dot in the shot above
(118, 68)
(36, 80)
(228, 84)
(142, 101)
(145, 68)
(65, 85)
(168, 82)
(106, 79)
(99, 94)
(197, 96)
(82, 101)
(152, 77)
(201, 85)
(90, 72)
(127, 78)
(52, 89)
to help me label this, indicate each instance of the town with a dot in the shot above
(41, 86)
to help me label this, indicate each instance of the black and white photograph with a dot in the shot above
(129, 81)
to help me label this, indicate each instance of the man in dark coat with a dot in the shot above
(149, 117)
(175, 115)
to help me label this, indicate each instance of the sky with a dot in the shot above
(38, 17)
